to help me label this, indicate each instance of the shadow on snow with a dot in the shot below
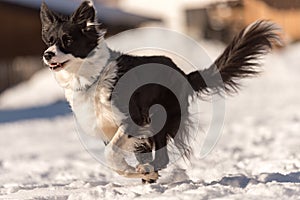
(60, 108)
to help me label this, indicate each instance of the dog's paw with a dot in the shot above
(148, 181)
(148, 173)
(144, 168)
(150, 177)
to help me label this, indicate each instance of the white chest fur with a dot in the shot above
(93, 111)
(82, 104)
(87, 85)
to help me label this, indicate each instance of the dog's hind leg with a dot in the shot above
(160, 162)
(161, 159)
(143, 152)
(161, 156)
(144, 156)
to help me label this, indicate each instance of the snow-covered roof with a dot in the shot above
(107, 15)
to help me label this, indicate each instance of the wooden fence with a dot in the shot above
(17, 70)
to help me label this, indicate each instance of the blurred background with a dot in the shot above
(41, 157)
(21, 45)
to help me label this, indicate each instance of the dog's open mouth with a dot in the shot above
(57, 66)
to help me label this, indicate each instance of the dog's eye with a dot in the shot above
(67, 40)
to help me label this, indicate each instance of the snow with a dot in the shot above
(41, 89)
(257, 156)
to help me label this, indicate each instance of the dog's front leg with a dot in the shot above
(115, 156)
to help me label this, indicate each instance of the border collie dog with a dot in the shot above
(89, 70)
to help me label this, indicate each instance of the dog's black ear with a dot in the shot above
(84, 14)
(48, 17)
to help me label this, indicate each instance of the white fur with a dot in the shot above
(115, 153)
(82, 104)
(85, 80)
(90, 2)
(79, 74)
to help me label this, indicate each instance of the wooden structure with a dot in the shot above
(216, 21)
(284, 12)
(20, 35)
(222, 20)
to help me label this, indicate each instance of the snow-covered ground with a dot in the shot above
(257, 156)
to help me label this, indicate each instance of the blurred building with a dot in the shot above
(219, 19)
(223, 19)
(216, 21)
(21, 44)
(171, 11)
(113, 3)
(284, 12)
(20, 36)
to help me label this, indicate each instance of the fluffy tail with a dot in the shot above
(239, 60)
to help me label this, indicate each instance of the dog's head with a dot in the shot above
(69, 37)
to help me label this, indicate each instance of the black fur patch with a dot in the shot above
(70, 34)
(239, 60)
(148, 95)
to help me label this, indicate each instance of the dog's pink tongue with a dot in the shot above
(56, 65)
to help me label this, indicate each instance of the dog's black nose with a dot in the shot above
(48, 55)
